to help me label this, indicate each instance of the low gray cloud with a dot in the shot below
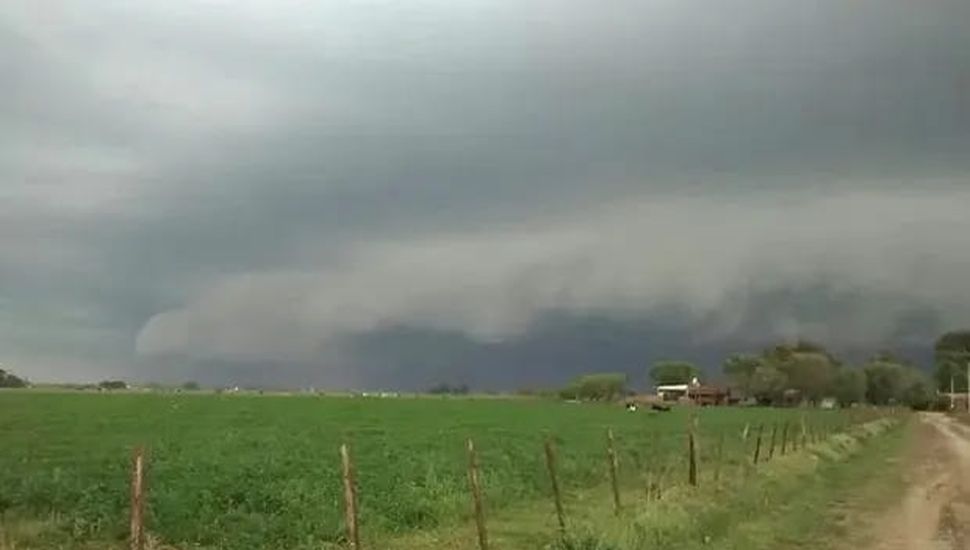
(280, 183)
(699, 253)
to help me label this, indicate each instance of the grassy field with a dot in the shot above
(238, 471)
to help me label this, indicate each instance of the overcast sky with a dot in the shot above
(384, 194)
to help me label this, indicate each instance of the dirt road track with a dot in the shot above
(935, 511)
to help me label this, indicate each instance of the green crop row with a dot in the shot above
(264, 471)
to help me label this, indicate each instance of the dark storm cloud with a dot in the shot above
(271, 183)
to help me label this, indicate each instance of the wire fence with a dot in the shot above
(710, 453)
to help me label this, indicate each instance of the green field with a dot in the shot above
(246, 471)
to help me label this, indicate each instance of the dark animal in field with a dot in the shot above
(661, 408)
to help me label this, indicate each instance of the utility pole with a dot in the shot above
(952, 405)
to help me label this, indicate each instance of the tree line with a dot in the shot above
(784, 374)
(10, 380)
(806, 372)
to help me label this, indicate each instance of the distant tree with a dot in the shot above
(570, 392)
(810, 373)
(883, 381)
(784, 352)
(952, 355)
(9, 380)
(596, 387)
(849, 386)
(808, 370)
(740, 369)
(950, 375)
(808, 346)
(768, 384)
(953, 341)
(190, 386)
(673, 372)
(893, 381)
(113, 385)
(446, 389)
(805, 368)
(918, 390)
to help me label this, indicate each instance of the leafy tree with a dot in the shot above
(947, 372)
(785, 352)
(917, 390)
(803, 366)
(808, 346)
(954, 341)
(9, 380)
(740, 369)
(952, 355)
(596, 387)
(811, 373)
(883, 381)
(890, 380)
(190, 386)
(849, 386)
(673, 372)
(113, 385)
(768, 384)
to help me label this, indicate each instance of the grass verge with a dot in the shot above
(802, 500)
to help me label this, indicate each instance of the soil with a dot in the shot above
(934, 513)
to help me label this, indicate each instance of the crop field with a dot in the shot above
(246, 471)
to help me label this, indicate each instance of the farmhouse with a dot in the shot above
(694, 392)
(709, 395)
(672, 392)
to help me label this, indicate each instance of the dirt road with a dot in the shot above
(935, 511)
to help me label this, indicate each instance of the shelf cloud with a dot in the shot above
(297, 185)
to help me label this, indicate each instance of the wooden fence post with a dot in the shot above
(350, 497)
(804, 432)
(475, 483)
(757, 445)
(649, 489)
(691, 457)
(652, 468)
(784, 439)
(771, 447)
(611, 458)
(551, 465)
(720, 457)
(137, 527)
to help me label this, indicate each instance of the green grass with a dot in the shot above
(246, 472)
(808, 500)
